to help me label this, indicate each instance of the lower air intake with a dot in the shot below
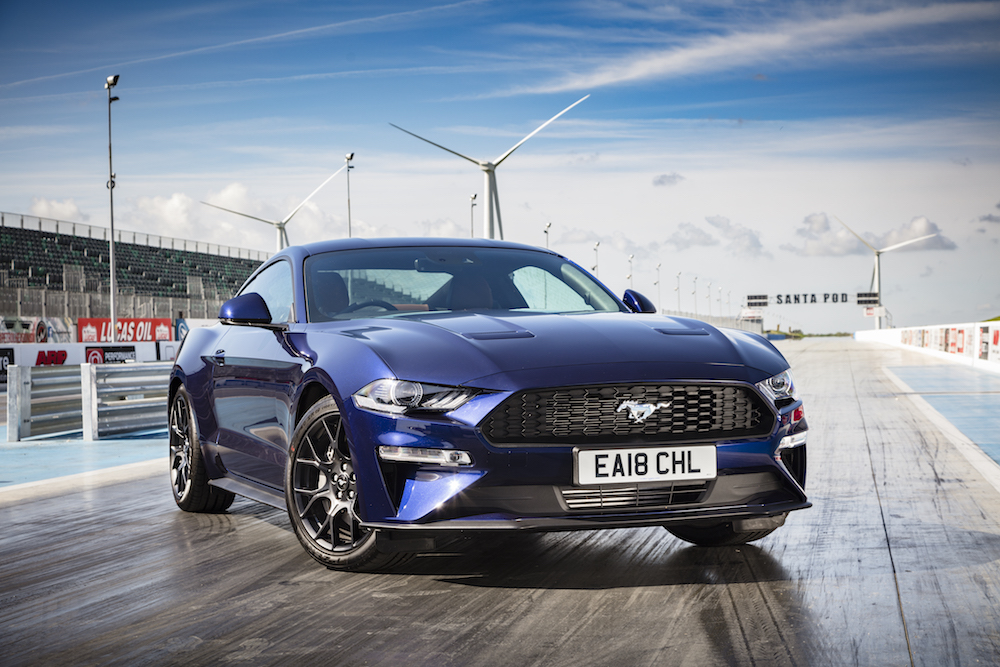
(633, 497)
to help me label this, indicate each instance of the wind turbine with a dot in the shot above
(877, 270)
(282, 240)
(492, 199)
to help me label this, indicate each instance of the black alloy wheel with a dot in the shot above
(188, 477)
(321, 493)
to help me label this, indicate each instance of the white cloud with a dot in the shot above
(990, 217)
(689, 235)
(437, 228)
(917, 227)
(34, 132)
(156, 213)
(57, 210)
(673, 178)
(375, 23)
(741, 240)
(575, 235)
(794, 42)
(823, 238)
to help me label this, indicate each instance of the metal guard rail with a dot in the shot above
(100, 399)
(42, 400)
(123, 398)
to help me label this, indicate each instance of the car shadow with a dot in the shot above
(592, 560)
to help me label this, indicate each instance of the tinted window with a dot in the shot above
(396, 281)
(274, 284)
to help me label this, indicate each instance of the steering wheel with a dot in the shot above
(364, 304)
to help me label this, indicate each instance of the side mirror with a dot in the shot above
(248, 309)
(637, 303)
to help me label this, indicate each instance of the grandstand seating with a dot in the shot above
(38, 257)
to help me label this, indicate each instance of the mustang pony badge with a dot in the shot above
(640, 412)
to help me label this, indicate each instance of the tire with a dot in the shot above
(718, 535)
(188, 477)
(322, 497)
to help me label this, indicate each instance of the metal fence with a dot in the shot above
(34, 302)
(756, 326)
(123, 236)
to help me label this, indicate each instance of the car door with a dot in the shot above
(255, 374)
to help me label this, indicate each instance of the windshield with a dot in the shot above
(349, 284)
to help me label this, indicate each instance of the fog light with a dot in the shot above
(794, 440)
(441, 457)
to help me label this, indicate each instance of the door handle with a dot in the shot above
(218, 359)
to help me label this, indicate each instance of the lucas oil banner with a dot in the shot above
(138, 330)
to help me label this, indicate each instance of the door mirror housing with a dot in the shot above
(637, 303)
(247, 309)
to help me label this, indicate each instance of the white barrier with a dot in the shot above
(100, 399)
(43, 401)
(123, 398)
(74, 354)
(975, 344)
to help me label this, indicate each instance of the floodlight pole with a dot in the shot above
(111, 82)
(678, 292)
(597, 272)
(546, 230)
(348, 158)
(878, 287)
(659, 291)
(472, 216)
(630, 280)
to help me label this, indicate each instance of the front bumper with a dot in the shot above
(533, 490)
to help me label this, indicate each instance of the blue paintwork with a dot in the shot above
(246, 383)
(248, 308)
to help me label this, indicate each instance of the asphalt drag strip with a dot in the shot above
(897, 563)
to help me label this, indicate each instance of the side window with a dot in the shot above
(274, 284)
(543, 291)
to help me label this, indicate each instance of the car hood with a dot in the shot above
(516, 350)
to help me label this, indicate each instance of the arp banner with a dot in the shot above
(73, 354)
(138, 330)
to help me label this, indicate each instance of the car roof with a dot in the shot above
(403, 242)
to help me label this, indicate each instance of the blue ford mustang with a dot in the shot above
(391, 392)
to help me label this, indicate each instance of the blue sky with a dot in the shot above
(720, 139)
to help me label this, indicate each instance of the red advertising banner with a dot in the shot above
(139, 330)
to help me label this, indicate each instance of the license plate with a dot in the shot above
(646, 464)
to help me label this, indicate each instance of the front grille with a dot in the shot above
(578, 415)
(607, 497)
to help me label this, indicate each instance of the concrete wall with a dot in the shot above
(975, 344)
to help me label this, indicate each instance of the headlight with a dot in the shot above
(399, 396)
(779, 387)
